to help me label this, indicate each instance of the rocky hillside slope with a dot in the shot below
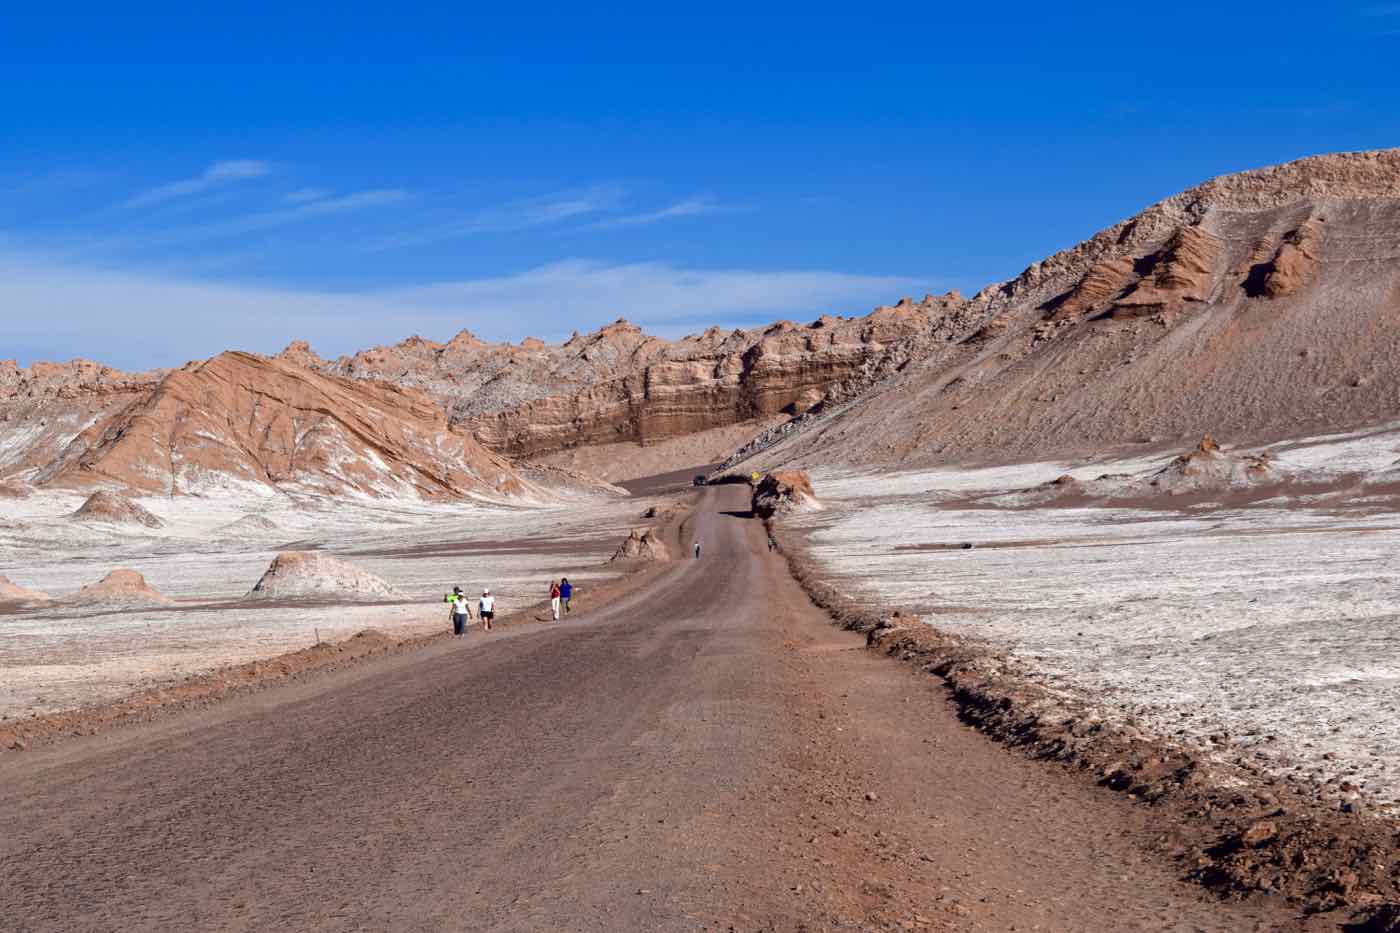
(619, 384)
(1257, 305)
(239, 422)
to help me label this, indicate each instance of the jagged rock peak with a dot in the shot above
(300, 353)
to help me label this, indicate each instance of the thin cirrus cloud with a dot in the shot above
(302, 195)
(261, 220)
(525, 214)
(690, 207)
(217, 175)
(137, 319)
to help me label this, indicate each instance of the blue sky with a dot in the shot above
(174, 182)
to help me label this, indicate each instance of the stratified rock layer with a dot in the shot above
(243, 422)
(621, 385)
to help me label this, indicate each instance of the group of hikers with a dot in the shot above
(561, 594)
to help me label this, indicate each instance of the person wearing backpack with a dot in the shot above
(554, 594)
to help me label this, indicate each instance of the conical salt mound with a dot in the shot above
(120, 589)
(104, 506)
(316, 575)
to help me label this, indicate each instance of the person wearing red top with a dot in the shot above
(554, 599)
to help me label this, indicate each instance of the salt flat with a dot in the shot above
(1268, 620)
(66, 655)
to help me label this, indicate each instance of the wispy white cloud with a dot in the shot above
(135, 319)
(302, 195)
(690, 207)
(148, 241)
(515, 215)
(216, 175)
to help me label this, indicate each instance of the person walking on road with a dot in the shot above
(486, 608)
(771, 543)
(461, 611)
(554, 596)
(566, 593)
(697, 550)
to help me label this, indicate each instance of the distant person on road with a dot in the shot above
(566, 593)
(697, 550)
(554, 595)
(486, 608)
(772, 545)
(461, 610)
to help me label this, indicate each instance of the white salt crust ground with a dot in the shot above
(62, 657)
(1276, 622)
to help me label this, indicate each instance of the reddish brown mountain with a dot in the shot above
(245, 421)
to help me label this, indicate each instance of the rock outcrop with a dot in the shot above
(120, 589)
(317, 575)
(783, 491)
(1208, 468)
(112, 508)
(642, 547)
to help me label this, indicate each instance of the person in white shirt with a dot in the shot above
(461, 611)
(486, 608)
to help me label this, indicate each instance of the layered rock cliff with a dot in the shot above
(620, 384)
(241, 421)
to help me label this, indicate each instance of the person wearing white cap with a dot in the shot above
(486, 608)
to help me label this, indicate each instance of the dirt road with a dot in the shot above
(708, 753)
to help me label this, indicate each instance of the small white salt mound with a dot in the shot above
(11, 592)
(313, 574)
(120, 589)
(104, 506)
(247, 525)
